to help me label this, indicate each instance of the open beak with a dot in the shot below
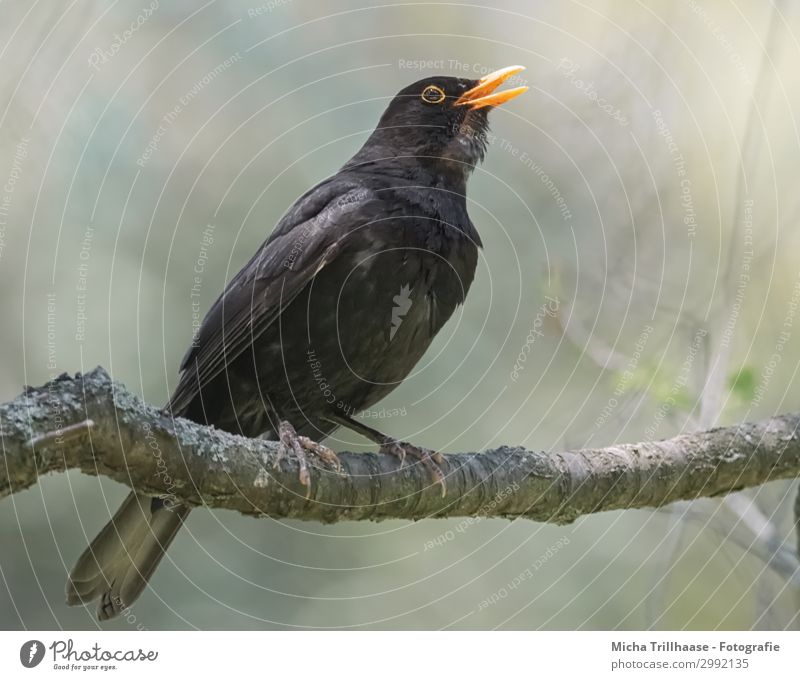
(483, 94)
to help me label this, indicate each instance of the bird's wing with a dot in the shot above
(304, 241)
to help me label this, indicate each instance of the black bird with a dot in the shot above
(331, 313)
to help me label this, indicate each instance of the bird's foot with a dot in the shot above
(292, 443)
(430, 459)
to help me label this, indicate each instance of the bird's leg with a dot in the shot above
(291, 442)
(430, 459)
(297, 444)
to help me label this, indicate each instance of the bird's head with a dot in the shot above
(438, 124)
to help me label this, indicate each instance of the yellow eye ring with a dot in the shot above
(433, 95)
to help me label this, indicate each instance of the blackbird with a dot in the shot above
(330, 315)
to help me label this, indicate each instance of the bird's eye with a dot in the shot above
(433, 94)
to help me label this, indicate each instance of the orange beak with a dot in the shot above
(483, 94)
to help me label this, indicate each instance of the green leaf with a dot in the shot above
(743, 383)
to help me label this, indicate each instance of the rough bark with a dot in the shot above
(93, 424)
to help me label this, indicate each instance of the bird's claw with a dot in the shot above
(430, 459)
(291, 442)
(325, 454)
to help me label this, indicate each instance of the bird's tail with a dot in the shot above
(117, 564)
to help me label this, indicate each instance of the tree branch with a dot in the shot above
(93, 424)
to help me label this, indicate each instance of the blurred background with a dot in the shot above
(640, 278)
